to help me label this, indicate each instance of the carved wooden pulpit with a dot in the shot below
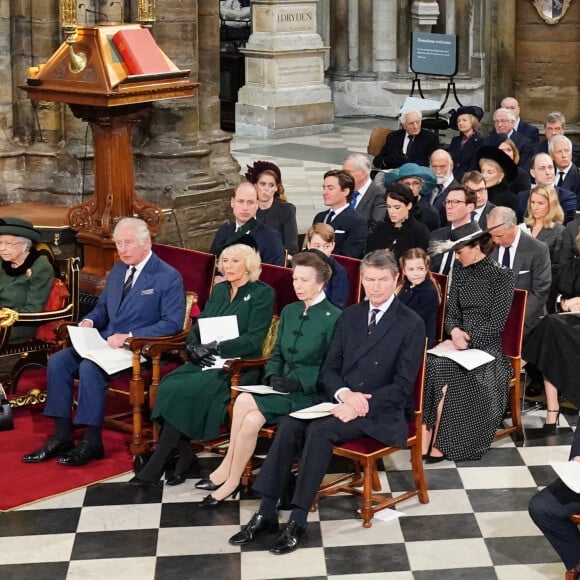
(104, 94)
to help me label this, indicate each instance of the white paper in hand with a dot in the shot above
(218, 328)
(569, 473)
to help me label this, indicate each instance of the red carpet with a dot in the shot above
(23, 483)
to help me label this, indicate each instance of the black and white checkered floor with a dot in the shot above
(476, 526)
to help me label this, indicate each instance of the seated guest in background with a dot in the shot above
(143, 297)
(368, 199)
(523, 179)
(419, 290)
(474, 182)
(567, 174)
(321, 237)
(26, 275)
(504, 121)
(399, 231)
(552, 346)
(461, 408)
(370, 370)
(531, 132)
(551, 508)
(569, 249)
(441, 165)
(528, 258)
(304, 335)
(191, 402)
(273, 207)
(410, 144)
(544, 222)
(463, 147)
(421, 181)
(555, 124)
(459, 205)
(542, 171)
(350, 230)
(499, 171)
(244, 204)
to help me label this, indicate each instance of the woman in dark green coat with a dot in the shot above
(304, 334)
(191, 403)
(25, 276)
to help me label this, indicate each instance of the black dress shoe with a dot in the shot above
(82, 454)
(178, 478)
(256, 526)
(144, 483)
(290, 537)
(207, 485)
(52, 448)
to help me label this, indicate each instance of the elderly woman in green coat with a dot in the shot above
(191, 403)
(304, 334)
(25, 276)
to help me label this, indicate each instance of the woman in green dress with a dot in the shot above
(304, 334)
(191, 403)
(25, 276)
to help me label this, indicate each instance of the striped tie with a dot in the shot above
(128, 283)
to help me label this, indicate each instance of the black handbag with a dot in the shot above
(6, 418)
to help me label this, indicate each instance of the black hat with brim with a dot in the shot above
(459, 237)
(245, 240)
(474, 110)
(509, 168)
(13, 226)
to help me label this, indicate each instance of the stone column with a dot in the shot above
(463, 16)
(365, 37)
(500, 51)
(285, 93)
(403, 38)
(424, 15)
(338, 38)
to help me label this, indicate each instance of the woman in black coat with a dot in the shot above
(399, 231)
(498, 171)
(463, 147)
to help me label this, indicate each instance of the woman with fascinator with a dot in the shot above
(274, 209)
(462, 408)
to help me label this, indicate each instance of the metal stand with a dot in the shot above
(450, 88)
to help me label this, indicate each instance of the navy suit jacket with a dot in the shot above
(529, 131)
(350, 232)
(155, 305)
(572, 182)
(391, 155)
(463, 156)
(372, 207)
(268, 240)
(384, 364)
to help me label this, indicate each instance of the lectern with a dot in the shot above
(99, 89)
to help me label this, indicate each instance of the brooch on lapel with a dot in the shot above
(28, 273)
(246, 298)
(147, 292)
(327, 313)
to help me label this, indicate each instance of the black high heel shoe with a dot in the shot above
(210, 502)
(207, 485)
(552, 428)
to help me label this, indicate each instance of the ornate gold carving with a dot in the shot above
(551, 11)
(33, 397)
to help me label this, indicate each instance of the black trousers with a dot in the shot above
(551, 509)
(310, 442)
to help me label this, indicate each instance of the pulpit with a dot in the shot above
(90, 76)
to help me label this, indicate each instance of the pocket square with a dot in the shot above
(339, 232)
(523, 272)
(147, 292)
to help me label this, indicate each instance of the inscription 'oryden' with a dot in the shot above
(295, 21)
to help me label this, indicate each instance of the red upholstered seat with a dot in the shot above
(352, 267)
(280, 279)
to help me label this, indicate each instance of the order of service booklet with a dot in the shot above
(470, 358)
(92, 346)
(218, 328)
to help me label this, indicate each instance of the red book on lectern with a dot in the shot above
(140, 52)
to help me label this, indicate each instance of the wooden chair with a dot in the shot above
(572, 574)
(364, 453)
(511, 339)
(352, 267)
(377, 139)
(34, 353)
(280, 279)
(442, 280)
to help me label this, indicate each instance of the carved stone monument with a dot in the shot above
(285, 93)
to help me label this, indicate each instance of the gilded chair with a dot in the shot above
(364, 453)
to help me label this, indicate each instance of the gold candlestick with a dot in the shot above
(68, 21)
(146, 13)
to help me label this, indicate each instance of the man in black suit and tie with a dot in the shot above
(474, 181)
(551, 508)
(567, 174)
(441, 165)
(368, 199)
(350, 230)
(370, 369)
(555, 124)
(411, 144)
(529, 131)
(504, 122)
(527, 257)
(459, 204)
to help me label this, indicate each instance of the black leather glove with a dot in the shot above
(202, 354)
(284, 384)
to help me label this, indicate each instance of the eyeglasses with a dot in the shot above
(9, 244)
(454, 202)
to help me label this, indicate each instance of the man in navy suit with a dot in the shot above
(350, 230)
(555, 124)
(529, 131)
(567, 174)
(504, 121)
(143, 297)
(370, 370)
(244, 204)
(473, 181)
(411, 144)
(551, 508)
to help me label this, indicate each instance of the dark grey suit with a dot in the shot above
(483, 217)
(384, 364)
(372, 207)
(533, 271)
(439, 201)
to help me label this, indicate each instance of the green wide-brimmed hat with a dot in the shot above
(413, 170)
(13, 226)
